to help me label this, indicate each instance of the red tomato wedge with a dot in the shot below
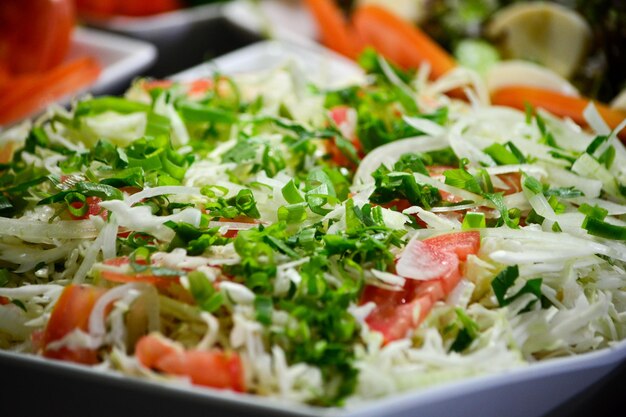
(215, 368)
(150, 349)
(29, 94)
(34, 34)
(434, 265)
(71, 312)
(561, 105)
(335, 31)
(397, 312)
(339, 114)
(400, 41)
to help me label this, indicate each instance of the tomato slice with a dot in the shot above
(125, 277)
(150, 349)
(339, 114)
(461, 244)
(35, 34)
(214, 368)
(397, 312)
(71, 312)
(433, 269)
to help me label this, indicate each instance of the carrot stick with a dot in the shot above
(29, 94)
(334, 29)
(561, 105)
(399, 41)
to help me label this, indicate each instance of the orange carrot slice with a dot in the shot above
(561, 105)
(28, 94)
(335, 30)
(399, 41)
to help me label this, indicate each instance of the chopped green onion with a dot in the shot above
(501, 155)
(76, 204)
(263, 307)
(603, 229)
(291, 193)
(474, 221)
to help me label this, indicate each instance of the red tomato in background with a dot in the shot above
(34, 34)
(110, 8)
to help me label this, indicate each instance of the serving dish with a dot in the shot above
(528, 391)
(274, 19)
(193, 30)
(120, 58)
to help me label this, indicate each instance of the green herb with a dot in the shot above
(468, 331)
(204, 293)
(505, 280)
(474, 221)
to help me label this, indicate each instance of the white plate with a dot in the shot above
(275, 19)
(182, 37)
(159, 27)
(320, 65)
(120, 58)
(529, 391)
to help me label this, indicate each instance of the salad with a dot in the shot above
(256, 233)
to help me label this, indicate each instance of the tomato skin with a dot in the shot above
(35, 34)
(150, 349)
(395, 315)
(71, 312)
(461, 244)
(395, 312)
(215, 368)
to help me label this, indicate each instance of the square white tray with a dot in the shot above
(120, 57)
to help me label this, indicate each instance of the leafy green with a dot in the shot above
(505, 280)
(204, 293)
(468, 331)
